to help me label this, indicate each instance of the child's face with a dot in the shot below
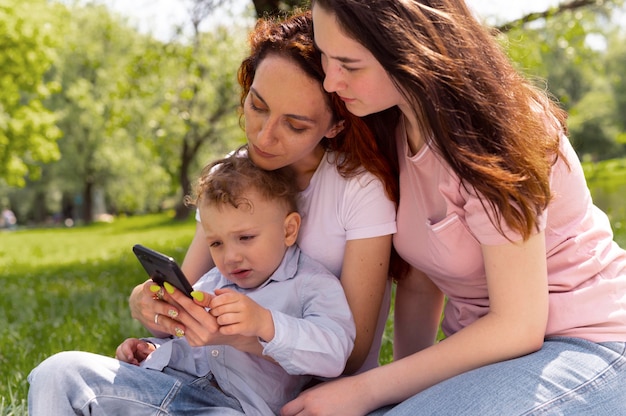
(247, 245)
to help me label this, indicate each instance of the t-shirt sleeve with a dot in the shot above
(368, 212)
(480, 218)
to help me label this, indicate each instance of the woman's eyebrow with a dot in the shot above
(342, 59)
(259, 96)
(294, 116)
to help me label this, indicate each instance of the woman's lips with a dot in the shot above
(347, 100)
(261, 153)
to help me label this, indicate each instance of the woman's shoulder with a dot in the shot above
(360, 188)
(331, 166)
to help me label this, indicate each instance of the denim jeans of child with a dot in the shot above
(568, 376)
(82, 383)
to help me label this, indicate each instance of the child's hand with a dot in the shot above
(237, 314)
(134, 351)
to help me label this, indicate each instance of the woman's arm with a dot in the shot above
(514, 326)
(143, 307)
(417, 314)
(198, 259)
(364, 277)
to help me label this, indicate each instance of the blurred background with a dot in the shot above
(109, 108)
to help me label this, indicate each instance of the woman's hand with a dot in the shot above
(343, 396)
(134, 351)
(143, 305)
(202, 328)
(148, 304)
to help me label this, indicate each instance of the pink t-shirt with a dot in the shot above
(441, 227)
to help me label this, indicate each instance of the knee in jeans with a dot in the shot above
(57, 366)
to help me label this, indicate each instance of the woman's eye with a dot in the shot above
(255, 108)
(296, 129)
(246, 237)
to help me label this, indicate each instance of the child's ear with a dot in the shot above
(292, 226)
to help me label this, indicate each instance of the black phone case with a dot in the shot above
(162, 268)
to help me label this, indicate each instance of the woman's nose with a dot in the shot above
(333, 81)
(267, 132)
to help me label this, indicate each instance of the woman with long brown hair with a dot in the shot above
(495, 220)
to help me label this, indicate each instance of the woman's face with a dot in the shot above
(286, 116)
(351, 70)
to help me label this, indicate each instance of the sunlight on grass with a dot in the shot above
(67, 289)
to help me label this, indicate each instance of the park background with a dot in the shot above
(107, 113)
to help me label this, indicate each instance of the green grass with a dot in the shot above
(67, 289)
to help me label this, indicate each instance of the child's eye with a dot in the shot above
(246, 237)
(215, 244)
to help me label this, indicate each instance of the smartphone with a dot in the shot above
(162, 268)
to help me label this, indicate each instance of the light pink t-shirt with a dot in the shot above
(441, 227)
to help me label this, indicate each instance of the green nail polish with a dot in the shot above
(179, 332)
(168, 287)
(154, 288)
(172, 313)
(199, 296)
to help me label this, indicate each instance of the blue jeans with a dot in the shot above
(82, 383)
(568, 376)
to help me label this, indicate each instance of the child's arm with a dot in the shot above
(321, 340)
(318, 343)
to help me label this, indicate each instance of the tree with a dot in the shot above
(567, 6)
(196, 112)
(99, 147)
(28, 133)
(556, 51)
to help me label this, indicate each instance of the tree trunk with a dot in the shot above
(182, 211)
(87, 208)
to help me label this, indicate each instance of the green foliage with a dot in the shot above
(194, 116)
(99, 147)
(139, 117)
(607, 181)
(567, 54)
(27, 130)
(616, 63)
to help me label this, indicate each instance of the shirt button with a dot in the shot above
(215, 353)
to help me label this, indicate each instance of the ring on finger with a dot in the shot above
(156, 318)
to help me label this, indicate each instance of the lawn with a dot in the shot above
(67, 288)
